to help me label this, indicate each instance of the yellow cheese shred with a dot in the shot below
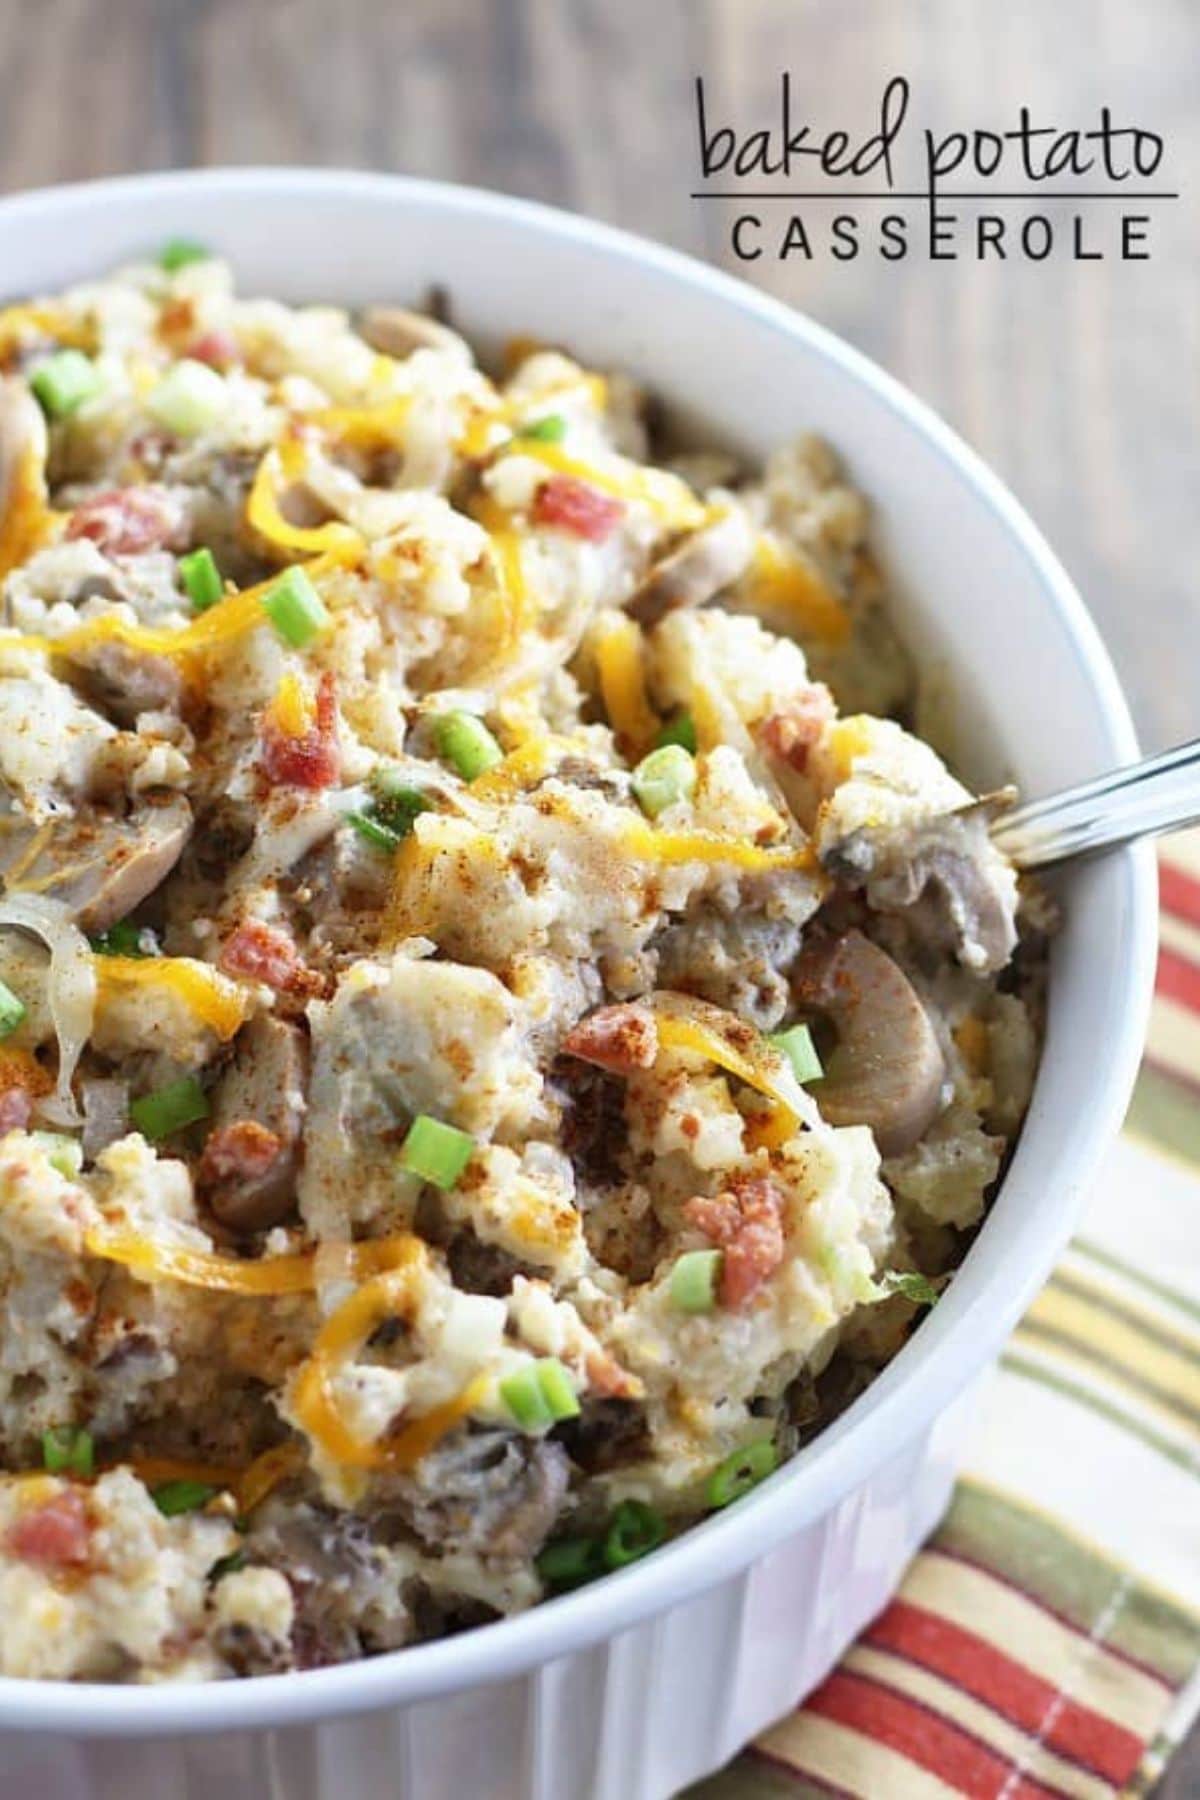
(314, 1404)
(292, 709)
(296, 1273)
(666, 496)
(230, 618)
(280, 467)
(623, 688)
(215, 1000)
(27, 519)
(685, 1023)
(643, 840)
(783, 582)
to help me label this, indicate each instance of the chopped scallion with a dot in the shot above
(539, 1394)
(550, 429)
(664, 777)
(175, 1497)
(179, 252)
(694, 1279)
(12, 1011)
(466, 743)
(201, 579)
(797, 1045)
(189, 399)
(436, 1152)
(169, 1108)
(65, 1154)
(64, 381)
(740, 1472)
(227, 1565)
(124, 939)
(911, 1283)
(569, 1562)
(295, 608)
(374, 831)
(679, 729)
(68, 1451)
(633, 1531)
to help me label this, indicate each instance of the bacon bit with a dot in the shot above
(216, 348)
(790, 735)
(746, 1222)
(57, 1534)
(618, 1038)
(244, 1150)
(259, 952)
(16, 1109)
(607, 1378)
(312, 760)
(574, 506)
(125, 521)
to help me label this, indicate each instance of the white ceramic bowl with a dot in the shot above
(633, 1687)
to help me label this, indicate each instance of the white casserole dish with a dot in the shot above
(631, 1688)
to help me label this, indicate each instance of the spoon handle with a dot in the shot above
(1160, 794)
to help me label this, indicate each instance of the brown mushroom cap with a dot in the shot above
(100, 866)
(696, 570)
(887, 1070)
(265, 1083)
(399, 333)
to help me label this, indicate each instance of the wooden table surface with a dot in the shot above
(1076, 380)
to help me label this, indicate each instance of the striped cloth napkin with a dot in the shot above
(1046, 1641)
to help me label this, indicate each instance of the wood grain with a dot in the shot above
(1078, 382)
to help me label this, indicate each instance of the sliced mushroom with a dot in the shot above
(399, 333)
(700, 567)
(887, 1070)
(125, 683)
(264, 1087)
(98, 865)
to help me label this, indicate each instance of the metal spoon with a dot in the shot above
(1160, 794)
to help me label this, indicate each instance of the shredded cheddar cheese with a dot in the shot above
(280, 468)
(623, 687)
(666, 496)
(644, 840)
(293, 708)
(786, 583)
(27, 520)
(692, 1026)
(215, 1000)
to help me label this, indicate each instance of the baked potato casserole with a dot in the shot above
(504, 1023)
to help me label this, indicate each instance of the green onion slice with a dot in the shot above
(62, 1153)
(909, 1282)
(68, 1451)
(295, 608)
(64, 381)
(664, 777)
(436, 1152)
(466, 744)
(374, 831)
(569, 1562)
(797, 1045)
(740, 1472)
(123, 939)
(679, 729)
(550, 429)
(177, 253)
(169, 1108)
(539, 1394)
(189, 399)
(175, 1497)
(694, 1280)
(12, 1011)
(201, 579)
(633, 1531)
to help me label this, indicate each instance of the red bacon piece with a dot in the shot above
(746, 1222)
(311, 760)
(575, 507)
(618, 1038)
(56, 1535)
(125, 521)
(255, 951)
